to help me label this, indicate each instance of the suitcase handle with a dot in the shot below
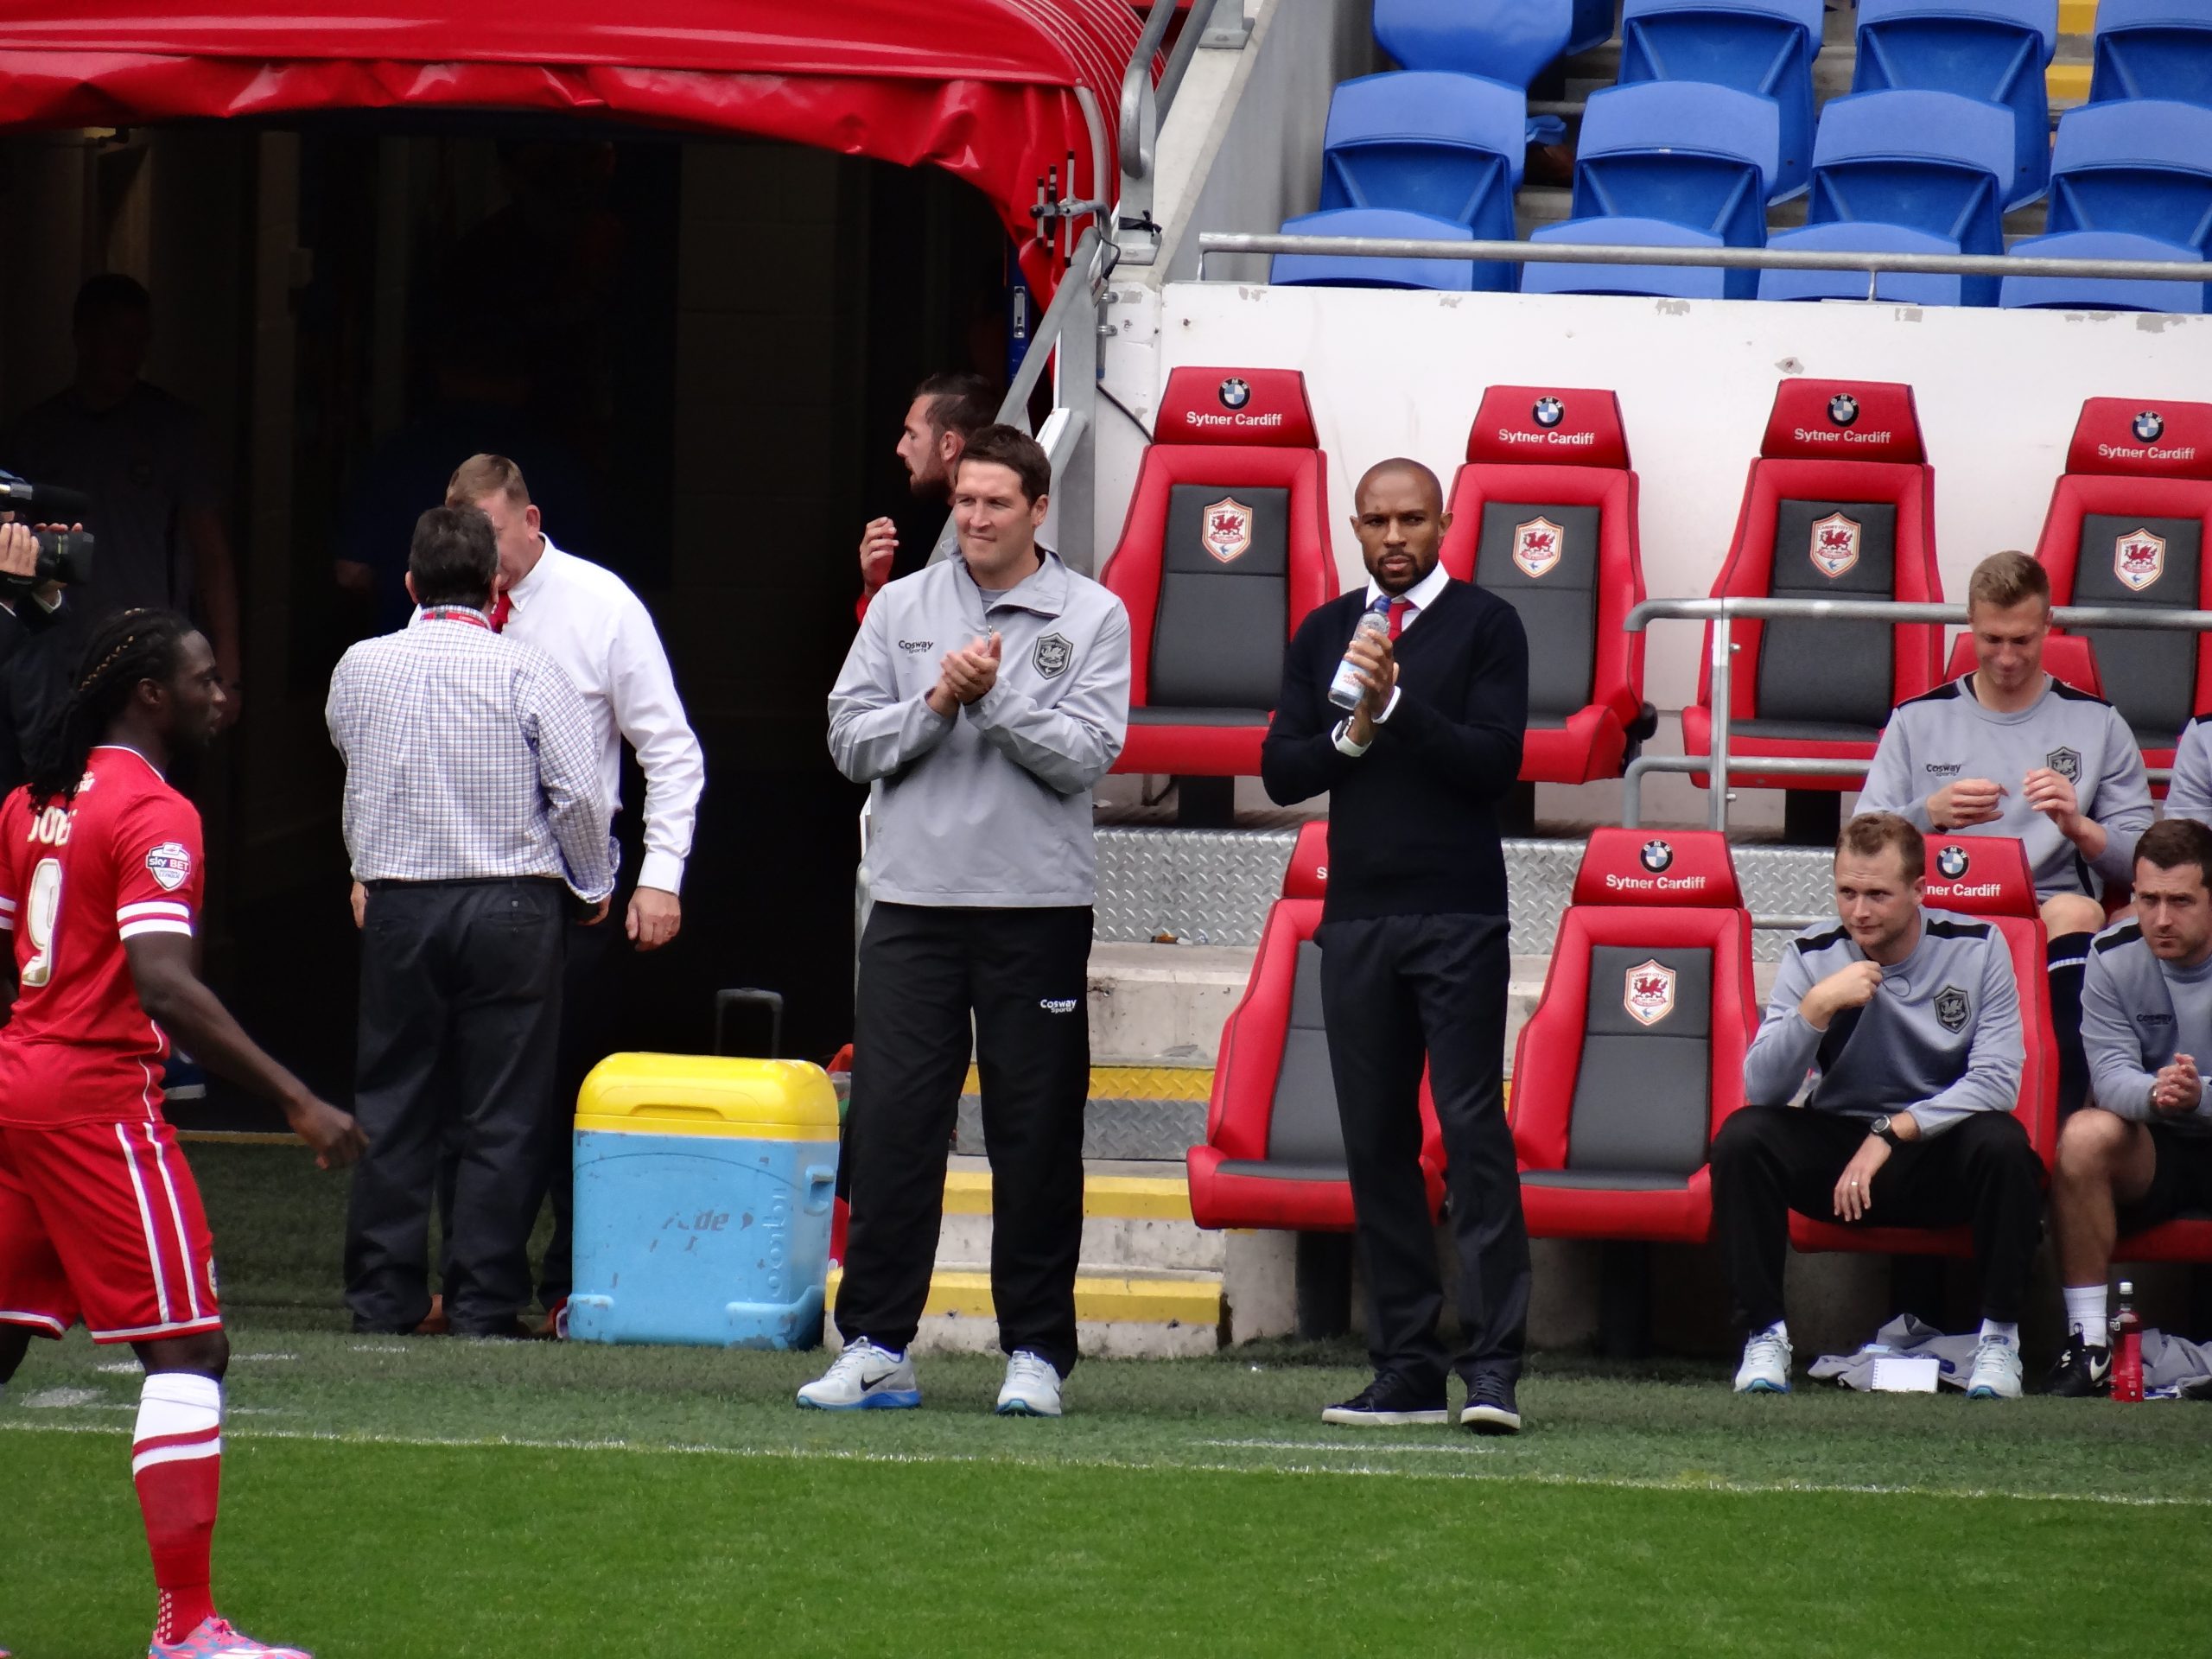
(749, 996)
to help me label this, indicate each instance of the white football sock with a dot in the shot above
(2005, 1330)
(2085, 1312)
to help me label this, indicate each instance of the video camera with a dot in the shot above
(63, 555)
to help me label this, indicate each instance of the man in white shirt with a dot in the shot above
(586, 620)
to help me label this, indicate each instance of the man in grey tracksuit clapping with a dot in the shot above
(983, 697)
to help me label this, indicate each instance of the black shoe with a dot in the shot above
(2081, 1372)
(1490, 1407)
(1390, 1401)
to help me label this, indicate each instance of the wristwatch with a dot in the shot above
(1880, 1126)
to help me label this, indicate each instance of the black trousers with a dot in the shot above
(1396, 991)
(588, 974)
(1768, 1161)
(923, 972)
(461, 1010)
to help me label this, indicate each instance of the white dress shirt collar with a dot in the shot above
(1422, 594)
(535, 583)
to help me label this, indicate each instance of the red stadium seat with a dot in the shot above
(1984, 876)
(1840, 504)
(2127, 526)
(1224, 550)
(1543, 514)
(1634, 1056)
(1274, 1153)
(2069, 656)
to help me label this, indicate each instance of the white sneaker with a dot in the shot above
(1996, 1374)
(1031, 1387)
(1765, 1369)
(864, 1377)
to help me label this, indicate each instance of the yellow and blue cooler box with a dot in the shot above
(704, 1189)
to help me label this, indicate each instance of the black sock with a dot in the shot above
(2065, 960)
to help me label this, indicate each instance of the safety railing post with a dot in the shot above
(1723, 651)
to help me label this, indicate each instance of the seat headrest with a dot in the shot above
(1308, 876)
(1980, 876)
(1843, 420)
(1690, 868)
(1563, 425)
(1265, 407)
(2142, 438)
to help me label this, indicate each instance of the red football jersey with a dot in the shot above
(122, 861)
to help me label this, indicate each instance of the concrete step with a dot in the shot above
(1136, 1219)
(1164, 1000)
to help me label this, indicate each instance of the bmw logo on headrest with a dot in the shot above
(1235, 393)
(1656, 856)
(1549, 411)
(1843, 409)
(2150, 426)
(1952, 863)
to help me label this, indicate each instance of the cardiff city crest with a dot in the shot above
(1538, 546)
(2138, 558)
(1648, 995)
(1834, 547)
(1951, 1008)
(1228, 532)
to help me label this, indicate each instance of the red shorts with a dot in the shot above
(102, 1222)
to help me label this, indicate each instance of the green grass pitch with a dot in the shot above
(387, 1499)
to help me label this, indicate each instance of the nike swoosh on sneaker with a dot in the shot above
(868, 1382)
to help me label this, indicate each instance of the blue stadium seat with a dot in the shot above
(1929, 162)
(2143, 166)
(1677, 153)
(1592, 24)
(2154, 48)
(1450, 146)
(1993, 49)
(2103, 293)
(1318, 270)
(1765, 47)
(1857, 235)
(1511, 41)
(1660, 281)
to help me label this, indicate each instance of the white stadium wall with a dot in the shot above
(1401, 372)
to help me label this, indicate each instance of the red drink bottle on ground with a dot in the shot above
(2126, 1347)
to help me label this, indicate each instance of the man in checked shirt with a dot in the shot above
(476, 819)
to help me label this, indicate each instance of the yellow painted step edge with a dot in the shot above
(1134, 1082)
(1120, 1198)
(2077, 16)
(2068, 83)
(1100, 1297)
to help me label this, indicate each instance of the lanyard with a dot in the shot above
(455, 614)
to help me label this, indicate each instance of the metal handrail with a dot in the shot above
(1724, 612)
(1145, 105)
(1069, 328)
(1607, 253)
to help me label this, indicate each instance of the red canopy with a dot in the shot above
(983, 88)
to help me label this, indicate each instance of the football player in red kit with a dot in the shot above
(99, 1216)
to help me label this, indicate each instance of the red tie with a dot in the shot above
(503, 608)
(1398, 610)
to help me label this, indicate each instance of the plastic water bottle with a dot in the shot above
(2126, 1347)
(1345, 690)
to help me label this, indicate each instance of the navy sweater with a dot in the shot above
(1413, 828)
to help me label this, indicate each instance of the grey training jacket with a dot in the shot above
(1940, 1039)
(992, 807)
(2137, 1013)
(1945, 734)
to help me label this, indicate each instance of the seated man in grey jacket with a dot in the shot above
(2146, 1154)
(1905, 1023)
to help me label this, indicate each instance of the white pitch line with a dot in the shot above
(1356, 1451)
(805, 1454)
